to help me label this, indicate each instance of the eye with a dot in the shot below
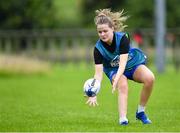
(99, 32)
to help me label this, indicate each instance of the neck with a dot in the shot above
(111, 40)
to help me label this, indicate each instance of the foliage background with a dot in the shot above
(30, 14)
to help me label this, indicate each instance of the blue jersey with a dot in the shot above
(111, 60)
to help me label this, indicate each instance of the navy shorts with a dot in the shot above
(127, 73)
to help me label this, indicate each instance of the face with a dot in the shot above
(105, 33)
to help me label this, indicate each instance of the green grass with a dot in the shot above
(55, 102)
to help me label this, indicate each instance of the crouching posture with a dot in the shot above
(114, 56)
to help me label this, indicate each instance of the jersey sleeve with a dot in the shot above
(98, 58)
(125, 44)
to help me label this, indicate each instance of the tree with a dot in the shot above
(173, 11)
(26, 14)
(141, 13)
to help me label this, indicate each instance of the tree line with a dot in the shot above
(39, 14)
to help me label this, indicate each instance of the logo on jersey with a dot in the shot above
(115, 62)
(130, 56)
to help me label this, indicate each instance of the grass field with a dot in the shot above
(55, 102)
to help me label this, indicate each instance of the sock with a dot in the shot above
(122, 119)
(141, 108)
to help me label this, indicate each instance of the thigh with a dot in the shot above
(142, 73)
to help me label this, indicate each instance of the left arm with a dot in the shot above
(124, 49)
(121, 69)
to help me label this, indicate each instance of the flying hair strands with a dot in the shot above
(114, 19)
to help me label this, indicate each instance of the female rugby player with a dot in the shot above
(114, 55)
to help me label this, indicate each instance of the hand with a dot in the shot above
(92, 101)
(114, 86)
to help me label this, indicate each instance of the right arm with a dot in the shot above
(92, 101)
(98, 72)
(98, 61)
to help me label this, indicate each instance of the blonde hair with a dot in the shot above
(113, 19)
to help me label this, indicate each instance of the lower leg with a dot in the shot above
(122, 99)
(146, 92)
(122, 104)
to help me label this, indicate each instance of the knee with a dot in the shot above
(123, 88)
(149, 81)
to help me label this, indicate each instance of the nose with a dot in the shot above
(102, 34)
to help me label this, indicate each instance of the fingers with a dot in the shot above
(97, 103)
(114, 87)
(113, 90)
(88, 101)
(92, 102)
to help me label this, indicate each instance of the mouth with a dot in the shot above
(103, 38)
